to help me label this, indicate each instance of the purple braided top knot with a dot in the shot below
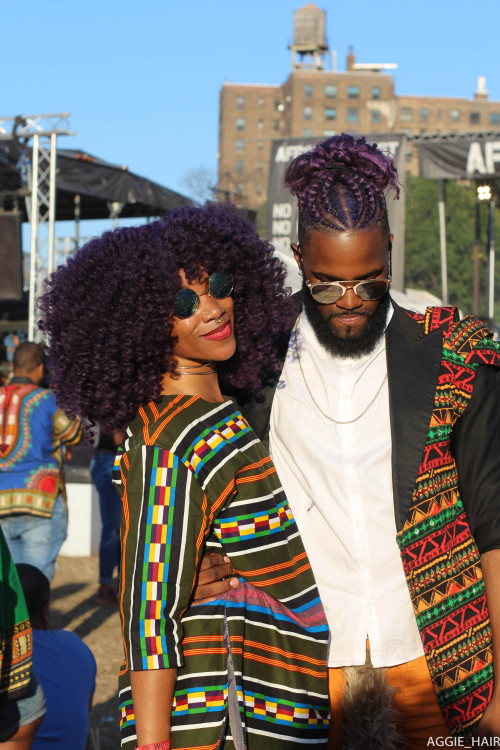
(341, 183)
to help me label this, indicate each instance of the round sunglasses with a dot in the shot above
(186, 301)
(329, 292)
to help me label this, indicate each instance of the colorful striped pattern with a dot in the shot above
(440, 556)
(203, 481)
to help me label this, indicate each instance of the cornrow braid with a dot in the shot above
(341, 184)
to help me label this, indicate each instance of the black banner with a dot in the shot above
(281, 225)
(473, 155)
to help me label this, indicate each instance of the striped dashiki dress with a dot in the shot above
(252, 664)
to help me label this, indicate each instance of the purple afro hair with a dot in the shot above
(341, 184)
(107, 313)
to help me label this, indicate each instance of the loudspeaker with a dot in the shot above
(11, 270)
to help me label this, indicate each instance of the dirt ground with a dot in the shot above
(73, 607)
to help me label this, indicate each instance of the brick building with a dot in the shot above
(315, 101)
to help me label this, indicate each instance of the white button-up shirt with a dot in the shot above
(338, 480)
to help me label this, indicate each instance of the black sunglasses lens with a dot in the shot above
(221, 284)
(370, 290)
(185, 303)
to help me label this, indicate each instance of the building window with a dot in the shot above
(308, 113)
(330, 113)
(260, 101)
(239, 188)
(330, 91)
(406, 114)
(260, 124)
(375, 116)
(494, 118)
(424, 114)
(258, 188)
(240, 102)
(308, 90)
(352, 115)
(454, 115)
(240, 145)
(376, 92)
(239, 167)
(474, 118)
(307, 133)
(276, 124)
(260, 166)
(260, 144)
(328, 133)
(240, 123)
(353, 92)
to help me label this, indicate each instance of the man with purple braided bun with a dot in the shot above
(385, 431)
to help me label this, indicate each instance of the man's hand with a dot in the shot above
(216, 576)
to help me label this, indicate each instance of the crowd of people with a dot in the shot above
(310, 543)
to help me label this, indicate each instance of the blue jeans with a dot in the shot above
(36, 540)
(110, 505)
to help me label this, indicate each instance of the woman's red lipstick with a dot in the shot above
(222, 332)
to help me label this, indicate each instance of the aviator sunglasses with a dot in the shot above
(186, 301)
(329, 292)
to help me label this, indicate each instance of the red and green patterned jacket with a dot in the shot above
(451, 422)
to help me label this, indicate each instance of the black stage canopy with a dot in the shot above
(98, 183)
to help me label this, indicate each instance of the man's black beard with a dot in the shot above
(351, 346)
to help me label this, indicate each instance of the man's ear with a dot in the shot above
(297, 254)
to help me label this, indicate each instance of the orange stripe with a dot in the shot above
(203, 651)
(201, 535)
(126, 515)
(279, 579)
(284, 665)
(204, 638)
(175, 400)
(225, 492)
(271, 568)
(168, 419)
(256, 477)
(151, 439)
(286, 654)
(255, 465)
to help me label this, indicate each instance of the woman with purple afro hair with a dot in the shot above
(147, 326)
(108, 313)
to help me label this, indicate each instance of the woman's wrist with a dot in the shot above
(164, 745)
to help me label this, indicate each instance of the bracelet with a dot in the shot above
(165, 745)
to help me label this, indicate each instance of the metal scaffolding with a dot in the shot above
(39, 176)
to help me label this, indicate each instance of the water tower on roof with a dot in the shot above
(309, 38)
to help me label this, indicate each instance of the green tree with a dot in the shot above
(422, 251)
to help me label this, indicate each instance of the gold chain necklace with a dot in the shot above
(330, 419)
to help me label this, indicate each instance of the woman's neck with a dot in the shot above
(205, 386)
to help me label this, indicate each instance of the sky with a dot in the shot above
(142, 79)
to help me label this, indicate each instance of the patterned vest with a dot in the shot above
(440, 557)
